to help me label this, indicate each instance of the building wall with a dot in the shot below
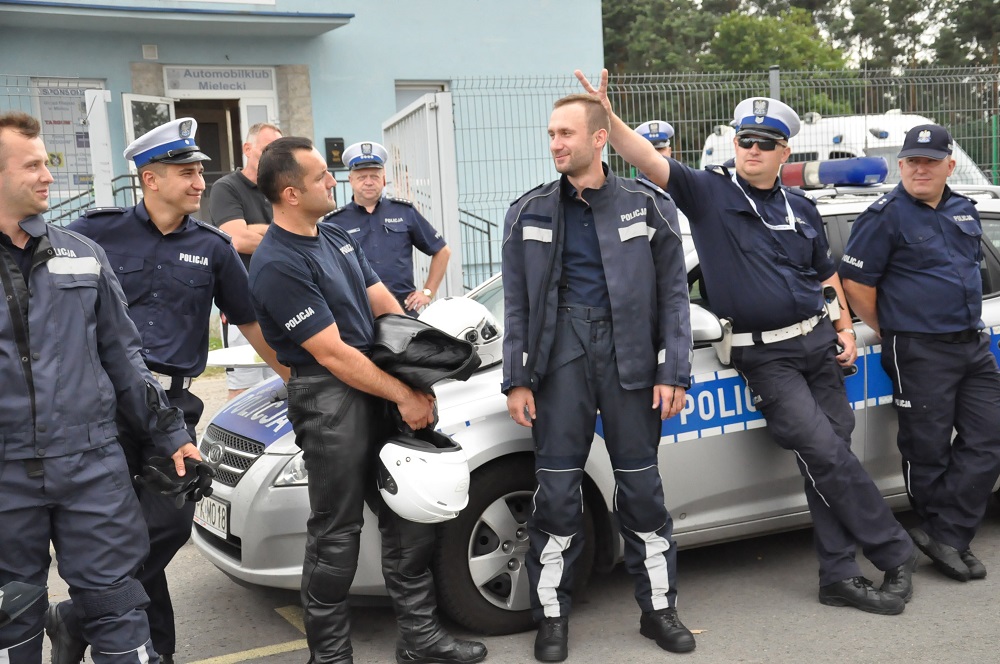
(342, 83)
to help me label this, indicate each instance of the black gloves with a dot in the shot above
(160, 476)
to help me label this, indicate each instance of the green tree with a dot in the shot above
(756, 42)
(971, 35)
(658, 36)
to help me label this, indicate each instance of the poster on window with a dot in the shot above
(62, 110)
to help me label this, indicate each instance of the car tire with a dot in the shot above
(490, 537)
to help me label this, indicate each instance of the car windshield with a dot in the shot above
(491, 297)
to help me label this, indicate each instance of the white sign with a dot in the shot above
(62, 110)
(215, 79)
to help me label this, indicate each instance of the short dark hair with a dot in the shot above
(19, 122)
(279, 168)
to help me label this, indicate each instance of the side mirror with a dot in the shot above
(705, 326)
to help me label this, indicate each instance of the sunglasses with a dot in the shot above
(765, 144)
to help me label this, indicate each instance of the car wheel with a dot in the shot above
(482, 582)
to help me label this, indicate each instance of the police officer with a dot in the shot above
(911, 271)
(596, 317)
(171, 267)
(239, 209)
(766, 262)
(70, 359)
(659, 133)
(389, 228)
(316, 297)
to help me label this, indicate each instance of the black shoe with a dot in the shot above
(664, 627)
(977, 570)
(446, 650)
(552, 640)
(66, 648)
(898, 581)
(861, 594)
(167, 659)
(946, 558)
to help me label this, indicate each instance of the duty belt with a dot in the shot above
(799, 329)
(174, 384)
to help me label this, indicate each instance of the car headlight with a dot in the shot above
(294, 473)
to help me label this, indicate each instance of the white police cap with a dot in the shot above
(170, 143)
(763, 116)
(656, 132)
(366, 154)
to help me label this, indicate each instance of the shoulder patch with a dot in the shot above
(97, 212)
(531, 191)
(401, 201)
(217, 231)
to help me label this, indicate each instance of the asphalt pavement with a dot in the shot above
(752, 601)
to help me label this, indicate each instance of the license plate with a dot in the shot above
(212, 514)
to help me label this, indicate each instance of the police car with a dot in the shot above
(723, 477)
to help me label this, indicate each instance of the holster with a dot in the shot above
(831, 302)
(724, 347)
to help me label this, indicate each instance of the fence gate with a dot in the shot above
(421, 144)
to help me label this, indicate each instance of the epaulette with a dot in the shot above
(651, 185)
(529, 192)
(961, 195)
(217, 231)
(718, 169)
(403, 201)
(801, 193)
(97, 212)
(334, 213)
(882, 202)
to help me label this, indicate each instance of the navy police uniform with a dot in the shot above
(389, 233)
(924, 264)
(596, 313)
(300, 286)
(764, 256)
(63, 477)
(170, 282)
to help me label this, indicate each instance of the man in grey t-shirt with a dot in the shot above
(241, 210)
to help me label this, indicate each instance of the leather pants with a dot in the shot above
(340, 430)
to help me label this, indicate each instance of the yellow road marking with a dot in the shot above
(293, 614)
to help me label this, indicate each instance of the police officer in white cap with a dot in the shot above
(389, 228)
(766, 265)
(172, 267)
(659, 133)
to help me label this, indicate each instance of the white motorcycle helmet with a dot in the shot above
(424, 476)
(469, 320)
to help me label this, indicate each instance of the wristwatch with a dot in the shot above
(428, 292)
(850, 331)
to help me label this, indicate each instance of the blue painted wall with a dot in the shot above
(353, 69)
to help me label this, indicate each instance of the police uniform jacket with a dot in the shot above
(84, 357)
(758, 277)
(170, 282)
(388, 236)
(924, 262)
(640, 246)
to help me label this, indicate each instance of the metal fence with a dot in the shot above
(502, 146)
(500, 128)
